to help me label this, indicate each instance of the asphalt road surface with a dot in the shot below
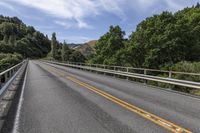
(60, 99)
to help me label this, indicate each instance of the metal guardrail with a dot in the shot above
(6, 75)
(127, 73)
(132, 69)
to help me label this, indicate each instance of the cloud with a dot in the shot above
(113, 6)
(68, 24)
(77, 10)
(64, 24)
(174, 5)
(80, 10)
(8, 6)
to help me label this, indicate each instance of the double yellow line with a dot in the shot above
(162, 122)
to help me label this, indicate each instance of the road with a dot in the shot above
(60, 99)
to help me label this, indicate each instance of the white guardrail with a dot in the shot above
(7, 76)
(138, 73)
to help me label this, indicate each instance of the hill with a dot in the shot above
(86, 49)
(18, 41)
(16, 37)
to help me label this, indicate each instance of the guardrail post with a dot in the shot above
(127, 72)
(145, 73)
(90, 65)
(10, 73)
(170, 74)
(114, 68)
(0, 82)
(6, 77)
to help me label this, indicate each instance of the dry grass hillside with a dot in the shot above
(86, 49)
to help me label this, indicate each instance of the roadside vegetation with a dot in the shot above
(9, 60)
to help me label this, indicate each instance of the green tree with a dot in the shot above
(65, 52)
(165, 39)
(108, 45)
(76, 56)
(15, 36)
(54, 51)
(12, 40)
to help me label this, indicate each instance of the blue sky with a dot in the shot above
(79, 21)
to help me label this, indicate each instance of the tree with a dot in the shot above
(165, 39)
(15, 36)
(65, 52)
(54, 51)
(108, 45)
(76, 56)
(12, 40)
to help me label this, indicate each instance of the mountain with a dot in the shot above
(86, 49)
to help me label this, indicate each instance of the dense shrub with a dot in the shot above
(9, 60)
(187, 67)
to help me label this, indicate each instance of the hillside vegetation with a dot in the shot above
(18, 41)
(15, 36)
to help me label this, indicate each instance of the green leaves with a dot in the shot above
(166, 39)
(9, 60)
(108, 46)
(158, 42)
(17, 37)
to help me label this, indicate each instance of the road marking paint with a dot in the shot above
(160, 121)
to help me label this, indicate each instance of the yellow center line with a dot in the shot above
(160, 121)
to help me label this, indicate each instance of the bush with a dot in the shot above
(9, 60)
(187, 67)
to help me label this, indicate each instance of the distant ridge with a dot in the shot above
(86, 49)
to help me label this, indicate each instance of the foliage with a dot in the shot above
(187, 67)
(158, 42)
(61, 52)
(76, 56)
(166, 39)
(16, 37)
(108, 45)
(54, 50)
(65, 52)
(9, 60)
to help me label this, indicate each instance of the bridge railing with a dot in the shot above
(145, 71)
(138, 73)
(6, 75)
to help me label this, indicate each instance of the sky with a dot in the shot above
(79, 21)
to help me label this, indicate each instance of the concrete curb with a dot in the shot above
(9, 95)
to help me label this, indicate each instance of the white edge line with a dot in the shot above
(17, 117)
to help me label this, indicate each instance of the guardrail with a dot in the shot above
(6, 75)
(128, 73)
(11, 83)
(145, 71)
